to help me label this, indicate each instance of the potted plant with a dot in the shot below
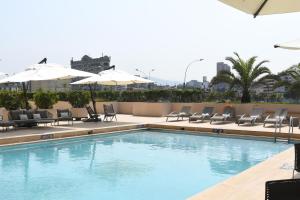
(11, 100)
(78, 100)
(44, 100)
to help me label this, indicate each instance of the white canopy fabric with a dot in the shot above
(113, 77)
(40, 72)
(292, 45)
(2, 74)
(264, 7)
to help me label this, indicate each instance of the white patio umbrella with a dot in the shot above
(264, 7)
(111, 77)
(292, 45)
(41, 72)
(3, 75)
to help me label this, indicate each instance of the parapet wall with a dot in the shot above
(162, 109)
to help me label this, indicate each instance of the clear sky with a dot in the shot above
(161, 34)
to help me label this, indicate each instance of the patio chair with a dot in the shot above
(22, 118)
(109, 112)
(43, 117)
(228, 113)
(93, 116)
(206, 113)
(297, 159)
(184, 112)
(277, 118)
(5, 124)
(64, 115)
(288, 189)
(255, 114)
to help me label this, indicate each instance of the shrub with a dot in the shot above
(78, 99)
(62, 96)
(107, 95)
(11, 100)
(45, 100)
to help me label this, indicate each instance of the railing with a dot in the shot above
(291, 129)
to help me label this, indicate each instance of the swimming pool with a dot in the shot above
(136, 165)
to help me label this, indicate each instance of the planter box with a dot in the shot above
(4, 113)
(99, 106)
(79, 113)
(125, 108)
(151, 109)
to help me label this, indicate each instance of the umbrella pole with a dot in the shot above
(25, 95)
(92, 98)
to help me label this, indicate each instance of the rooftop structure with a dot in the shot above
(93, 65)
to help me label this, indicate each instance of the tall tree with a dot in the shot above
(248, 75)
(291, 82)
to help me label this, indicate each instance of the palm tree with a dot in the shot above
(292, 85)
(248, 75)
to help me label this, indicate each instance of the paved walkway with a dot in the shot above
(128, 119)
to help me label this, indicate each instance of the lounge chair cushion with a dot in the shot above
(64, 114)
(246, 119)
(37, 116)
(43, 113)
(23, 117)
(226, 115)
(218, 118)
(15, 114)
(29, 114)
(199, 116)
(173, 114)
(272, 120)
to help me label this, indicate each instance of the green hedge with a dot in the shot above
(14, 100)
(45, 100)
(78, 99)
(152, 96)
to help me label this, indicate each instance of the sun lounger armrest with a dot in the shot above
(216, 114)
(172, 113)
(268, 117)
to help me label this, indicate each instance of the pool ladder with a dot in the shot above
(291, 131)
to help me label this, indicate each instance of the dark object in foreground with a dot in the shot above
(297, 160)
(64, 115)
(93, 116)
(109, 112)
(288, 189)
(29, 118)
(5, 124)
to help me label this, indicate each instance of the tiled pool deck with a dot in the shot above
(247, 185)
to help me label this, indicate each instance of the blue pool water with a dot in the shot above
(143, 165)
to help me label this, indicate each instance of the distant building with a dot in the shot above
(222, 67)
(198, 84)
(92, 65)
(205, 83)
(194, 84)
(222, 87)
(88, 64)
